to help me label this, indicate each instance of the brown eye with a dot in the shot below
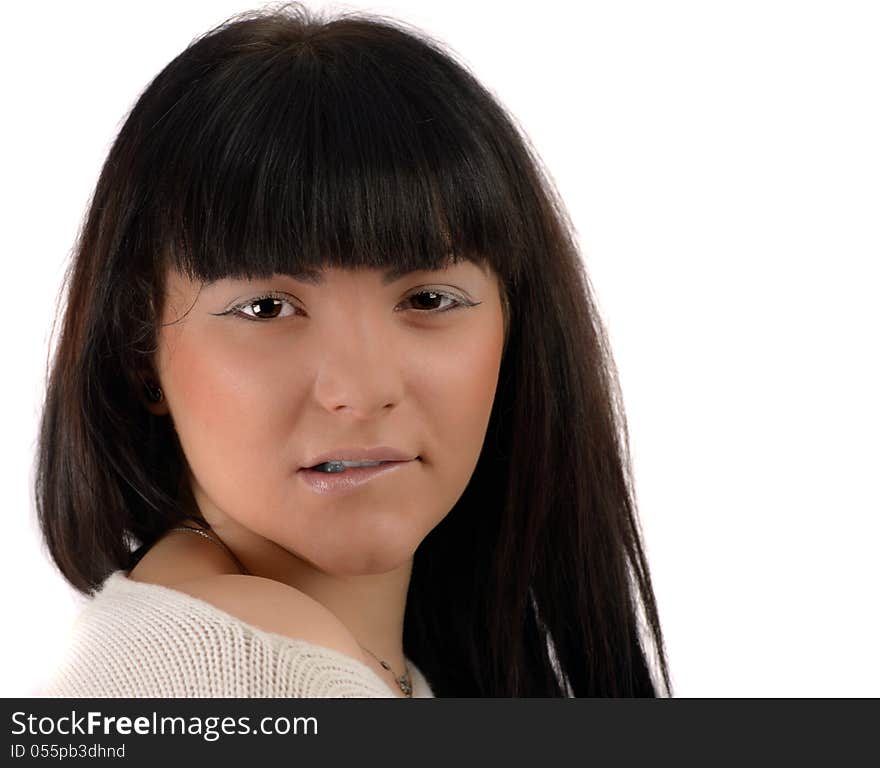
(427, 302)
(264, 308)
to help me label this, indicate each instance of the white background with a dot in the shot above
(721, 163)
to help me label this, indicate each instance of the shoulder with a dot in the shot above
(179, 557)
(274, 607)
(225, 635)
(193, 566)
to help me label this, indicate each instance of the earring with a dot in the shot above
(154, 392)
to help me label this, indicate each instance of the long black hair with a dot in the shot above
(282, 141)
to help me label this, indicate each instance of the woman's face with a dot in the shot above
(258, 387)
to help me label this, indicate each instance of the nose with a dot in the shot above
(360, 371)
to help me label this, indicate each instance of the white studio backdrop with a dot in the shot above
(720, 163)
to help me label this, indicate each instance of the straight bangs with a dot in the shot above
(328, 149)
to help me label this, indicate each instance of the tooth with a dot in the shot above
(341, 465)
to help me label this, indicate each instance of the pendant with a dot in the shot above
(405, 685)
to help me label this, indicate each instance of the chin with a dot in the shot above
(364, 563)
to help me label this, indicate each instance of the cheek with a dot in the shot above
(457, 393)
(223, 399)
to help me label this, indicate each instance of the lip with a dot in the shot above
(354, 453)
(338, 484)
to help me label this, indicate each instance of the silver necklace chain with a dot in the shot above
(404, 682)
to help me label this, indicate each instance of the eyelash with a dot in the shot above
(460, 303)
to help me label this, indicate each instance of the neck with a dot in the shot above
(371, 606)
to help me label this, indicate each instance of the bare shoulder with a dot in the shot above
(198, 567)
(179, 557)
(274, 607)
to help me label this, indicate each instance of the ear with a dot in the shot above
(150, 392)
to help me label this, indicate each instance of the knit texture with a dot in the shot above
(138, 640)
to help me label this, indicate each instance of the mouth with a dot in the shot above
(338, 467)
(341, 478)
(342, 457)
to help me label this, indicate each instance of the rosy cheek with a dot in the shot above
(205, 383)
(461, 397)
(481, 365)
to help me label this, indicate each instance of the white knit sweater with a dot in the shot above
(140, 640)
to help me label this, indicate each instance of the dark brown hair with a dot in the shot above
(282, 141)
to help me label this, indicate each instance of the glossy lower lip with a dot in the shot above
(330, 484)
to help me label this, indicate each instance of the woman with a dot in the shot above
(320, 243)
